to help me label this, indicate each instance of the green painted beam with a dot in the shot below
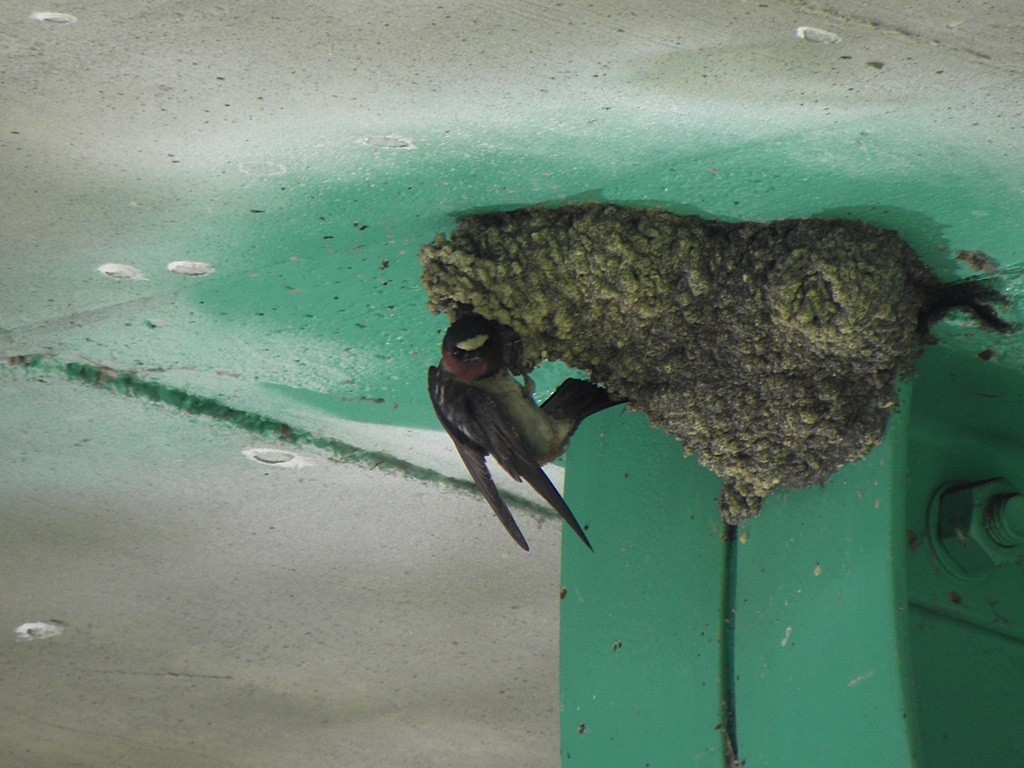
(821, 669)
(848, 640)
(641, 637)
(965, 633)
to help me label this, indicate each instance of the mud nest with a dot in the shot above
(772, 350)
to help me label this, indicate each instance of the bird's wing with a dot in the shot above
(515, 457)
(488, 431)
(477, 466)
(468, 438)
(541, 483)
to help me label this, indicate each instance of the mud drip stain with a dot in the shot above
(772, 350)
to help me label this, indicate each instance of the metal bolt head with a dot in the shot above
(970, 514)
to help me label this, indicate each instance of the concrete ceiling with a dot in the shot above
(220, 611)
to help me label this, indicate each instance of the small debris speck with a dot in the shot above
(978, 261)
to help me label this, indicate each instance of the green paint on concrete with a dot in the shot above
(141, 385)
(320, 289)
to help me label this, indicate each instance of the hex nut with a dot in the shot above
(964, 532)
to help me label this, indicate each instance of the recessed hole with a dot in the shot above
(271, 456)
(388, 142)
(277, 457)
(39, 630)
(120, 271)
(815, 35)
(53, 18)
(263, 169)
(191, 268)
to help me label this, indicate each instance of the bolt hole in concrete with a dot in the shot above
(263, 169)
(191, 268)
(51, 17)
(388, 142)
(815, 35)
(38, 630)
(120, 271)
(276, 457)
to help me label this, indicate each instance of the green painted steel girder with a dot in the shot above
(836, 633)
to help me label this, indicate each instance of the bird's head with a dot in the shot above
(473, 348)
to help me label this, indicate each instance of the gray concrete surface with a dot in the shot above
(221, 612)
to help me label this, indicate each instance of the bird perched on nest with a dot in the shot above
(771, 350)
(486, 411)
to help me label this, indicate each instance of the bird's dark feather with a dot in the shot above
(484, 429)
(576, 399)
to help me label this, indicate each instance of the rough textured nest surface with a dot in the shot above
(772, 350)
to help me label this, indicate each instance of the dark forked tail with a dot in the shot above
(972, 296)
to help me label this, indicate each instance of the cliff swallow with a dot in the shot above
(485, 410)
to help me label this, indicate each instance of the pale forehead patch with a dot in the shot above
(473, 344)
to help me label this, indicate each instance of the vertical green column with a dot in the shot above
(818, 664)
(641, 664)
(820, 612)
